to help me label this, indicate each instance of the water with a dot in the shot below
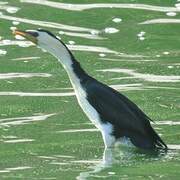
(133, 46)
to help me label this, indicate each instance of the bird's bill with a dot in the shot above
(26, 35)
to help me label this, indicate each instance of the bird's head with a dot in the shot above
(39, 37)
(47, 41)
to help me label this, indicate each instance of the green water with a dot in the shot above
(44, 133)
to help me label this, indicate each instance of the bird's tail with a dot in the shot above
(159, 144)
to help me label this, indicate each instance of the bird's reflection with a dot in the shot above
(110, 156)
(106, 161)
(123, 156)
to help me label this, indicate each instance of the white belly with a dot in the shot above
(105, 128)
(88, 109)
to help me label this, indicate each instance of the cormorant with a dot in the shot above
(111, 112)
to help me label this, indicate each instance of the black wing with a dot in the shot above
(128, 119)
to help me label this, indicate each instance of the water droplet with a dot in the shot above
(3, 52)
(12, 10)
(5, 41)
(171, 14)
(19, 37)
(43, 50)
(166, 53)
(142, 38)
(142, 33)
(15, 23)
(170, 67)
(61, 32)
(158, 55)
(117, 20)
(9, 82)
(58, 37)
(111, 173)
(93, 32)
(177, 5)
(24, 44)
(71, 42)
(111, 30)
(102, 55)
(13, 28)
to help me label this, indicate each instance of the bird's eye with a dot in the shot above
(33, 33)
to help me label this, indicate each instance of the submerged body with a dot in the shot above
(111, 112)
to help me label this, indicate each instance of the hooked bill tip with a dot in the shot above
(18, 32)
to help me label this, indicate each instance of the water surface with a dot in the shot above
(133, 46)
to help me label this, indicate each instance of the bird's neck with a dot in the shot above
(75, 72)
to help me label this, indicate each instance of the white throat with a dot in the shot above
(58, 50)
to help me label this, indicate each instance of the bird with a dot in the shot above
(115, 115)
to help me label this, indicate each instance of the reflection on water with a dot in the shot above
(174, 146)
(56, 156)
(71, 47)
(3, 52)
(69, 146)
(48, 24)
(128, 60)
(23, 75)
(34, 94)
(18, 140)
(15, 169)
(78, 130)
(9, 9)
(161, 21)
(146, 77)
(24, 120)
(19, 43)
(98, 166)
(83, 35)
(25, 58)
(167, 122)
(123, 157)
(111, 30)
(91, 49)
(81, 7)
(127, 87)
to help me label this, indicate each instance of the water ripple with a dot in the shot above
(15, 169)
(3, 52)
(48, 24)
(25, 58)
(78, 130)
(128, 60)
(71, 47)
(9, 9)
(34, 94)
(167, 122)
(81, 7)
(7, 42)
(22, 75)
(18, 140)
(24, 120)
(126, 87)
(83, 35)
(161, 21)
(146, 77)
(91, 49)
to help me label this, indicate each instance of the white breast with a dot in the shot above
(87, 107)
(105, 128)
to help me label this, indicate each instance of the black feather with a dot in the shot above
(127, 119)
(125, 116)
